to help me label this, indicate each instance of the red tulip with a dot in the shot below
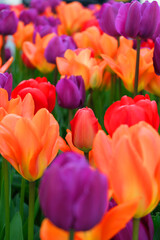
(42, 91)
(131, 111)
(84, 127)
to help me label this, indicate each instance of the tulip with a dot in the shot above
(28, 15)
(84, 127)
(6, 81)
(39, 5)
(43, 30)
(8, 22)
(84, 190)
(71, 92)
(130, 160)
(57, 47)
(42, 91)
(4, 6)
(156, 56)
(108, 14)
(131, 111)
(143, 27)
(29, 144)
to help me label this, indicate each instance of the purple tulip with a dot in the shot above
(4, 6)
(132, 19)
(8, 22)
(54, 3)
(71, 92)
(6, 81)
(108, 14)
(72, 194)
(28, 15)
(39, 5)
(57, 47)
(146, 229)
(156, 56)
(7, 54)
(43, 30)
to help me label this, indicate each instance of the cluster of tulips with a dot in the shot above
(79, 102)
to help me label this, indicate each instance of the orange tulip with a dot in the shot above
(28, 144)
(81, 62)
(23, 33)
(113, 221)
(124, 66)
(35, 53)
(130, 159)
(154, 85)
(72, 17)
(100, 43)
(17, 106)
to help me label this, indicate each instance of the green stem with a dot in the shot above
(119, 87)
(3, 50)
(6, 195)
(112, 96)
(71, 234)
(137, 67)
(22, 197)
(31, 211)
(55, 76)
(86, 155)
(135, 228)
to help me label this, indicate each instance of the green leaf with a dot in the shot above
(16, 227)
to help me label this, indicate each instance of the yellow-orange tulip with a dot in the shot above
(100, 43)
(130, 160)
(35, 53)
(124, 66)
(81, 62)
(72, 17)
(113, 221)
(28, 144)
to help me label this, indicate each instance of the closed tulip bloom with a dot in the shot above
(84, 127)
(42, 91)
(108, 16)
(71, 92)
(144, 26)
(28, 15)
(4, 6)
(39, 5)
(131, 111)
(57, 47)
(84, 190)
(130, 159)
(156, 56)
(6, 81)
(29, 144)
(8, 22)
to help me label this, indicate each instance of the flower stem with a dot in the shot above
(31, 210)
(22, 197)
(71, 234)
(6, 195)
(3, 50)
(135, 228)
(137, 67)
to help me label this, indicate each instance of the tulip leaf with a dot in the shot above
(16, 227)
(156, 222)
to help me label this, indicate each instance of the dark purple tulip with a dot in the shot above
(7, 54)
(156, 56)
(57, 47)
(28, 15)
(132, 19)
(6, 81)
(43, 30)
(39, 5)
(73, 195)
(71, 92)
(54, 3)
(108, 14)
(41, 20)
(8, 22)
(53, 21)
(146, 229)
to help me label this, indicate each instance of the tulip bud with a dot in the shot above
(71, 92)
(28, 15)
(8, 22)
(84, 127)
(73, 195)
